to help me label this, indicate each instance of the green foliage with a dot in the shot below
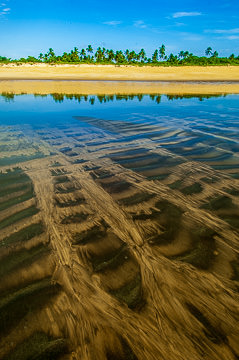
(208, 51)
(4, 59)
(162, 52)
(155, 56)
(119, 57)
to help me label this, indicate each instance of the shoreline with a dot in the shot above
(109, 87)
(111, 79)
(78, 80)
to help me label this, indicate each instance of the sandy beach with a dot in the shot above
(108, 79)
(112, 72)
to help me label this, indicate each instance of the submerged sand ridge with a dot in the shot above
(132, 244)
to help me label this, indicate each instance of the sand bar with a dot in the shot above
(115, 87)
(110, 79)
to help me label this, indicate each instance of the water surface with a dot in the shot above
(119, 220)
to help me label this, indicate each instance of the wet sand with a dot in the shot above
(119, 238)
(132, 249)
(41, 87)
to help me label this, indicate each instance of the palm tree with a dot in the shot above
(181, 54)
(76, 51)
(155, 56)
(110, 54)
(208, 51)
(127, 54)
(75, 55)
(103, 53)
(83, 54)
(172, 58)
(99, 55)
(142, 55)
(50, 56)
(132, 56)
(51, 53)
(162, 52)
(119, 57)
(89, 49)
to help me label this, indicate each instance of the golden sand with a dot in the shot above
(113, 72)
(115, 87)
(110, 79)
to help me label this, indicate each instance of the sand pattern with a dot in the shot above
(120, 239)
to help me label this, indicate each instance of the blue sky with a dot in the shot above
(28, 27)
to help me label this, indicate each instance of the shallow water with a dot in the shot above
(198, 129)
(110, 208)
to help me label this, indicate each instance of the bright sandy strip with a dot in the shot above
(112, 72)
(114, 87)
(110, 79)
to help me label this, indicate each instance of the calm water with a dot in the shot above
(202, 129)
(126, 203)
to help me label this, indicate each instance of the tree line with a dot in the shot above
(128, 57)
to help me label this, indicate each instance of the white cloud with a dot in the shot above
(4, 10)
(184, 13)
(112, 23)
(223, 31)
(140, 24)
(233, 37)
(179, 24)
